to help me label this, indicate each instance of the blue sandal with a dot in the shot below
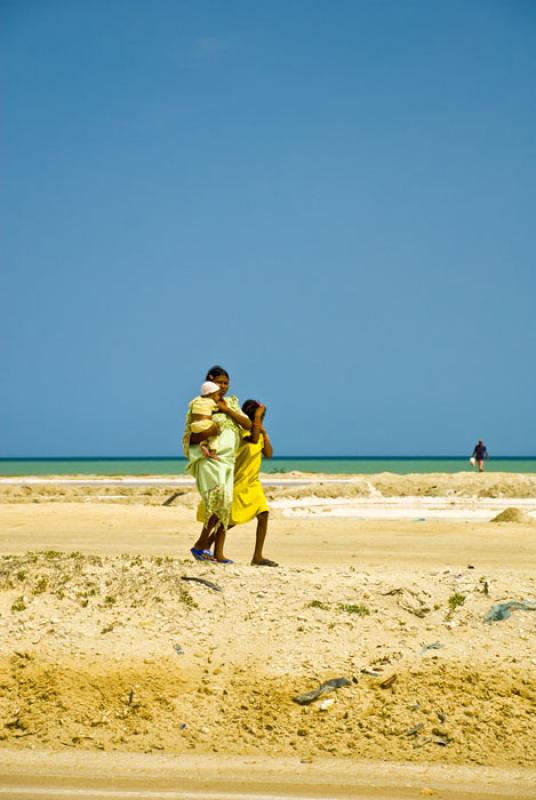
(202, 555)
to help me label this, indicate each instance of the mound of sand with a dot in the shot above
(357, 488)
(458, 484)
(142, 706)
(512, 514)
(99, 493)
(121, 653)
(386, 484)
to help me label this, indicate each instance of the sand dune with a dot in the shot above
(105, 648)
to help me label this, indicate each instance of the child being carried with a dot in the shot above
(202, 408)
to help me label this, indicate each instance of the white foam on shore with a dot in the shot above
(35, 480)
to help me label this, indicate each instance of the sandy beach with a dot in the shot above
(116, 645)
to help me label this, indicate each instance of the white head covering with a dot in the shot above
(208, 387)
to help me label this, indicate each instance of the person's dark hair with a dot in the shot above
(249, 408)
(216, 372)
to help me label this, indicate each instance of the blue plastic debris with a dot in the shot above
(504, 610)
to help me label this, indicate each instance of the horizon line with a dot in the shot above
(292, 457)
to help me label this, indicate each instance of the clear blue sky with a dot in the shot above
(334, 200)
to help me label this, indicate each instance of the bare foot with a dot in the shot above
(264, 562)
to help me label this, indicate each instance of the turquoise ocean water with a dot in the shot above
(12, 467)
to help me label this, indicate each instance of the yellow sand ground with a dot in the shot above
(105, 649)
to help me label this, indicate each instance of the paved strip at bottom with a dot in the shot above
(54, 793)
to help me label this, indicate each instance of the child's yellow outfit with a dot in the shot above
(205, 406)
(248, 495)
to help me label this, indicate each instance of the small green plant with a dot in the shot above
(50, 555)
(318, 604)
(110, 600)
(187, 598)
(21, 575)
(19, 604)
(456, 600)
(108, 628)
(361, 611)
(41, 585)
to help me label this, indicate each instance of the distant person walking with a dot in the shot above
(479, 454)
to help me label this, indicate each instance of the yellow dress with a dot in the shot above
(248, 494)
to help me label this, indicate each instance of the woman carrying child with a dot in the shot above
(249, 500)
(214, 476)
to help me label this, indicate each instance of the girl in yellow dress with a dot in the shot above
(248, 495)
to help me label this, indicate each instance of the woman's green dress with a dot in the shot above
(214, 477)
